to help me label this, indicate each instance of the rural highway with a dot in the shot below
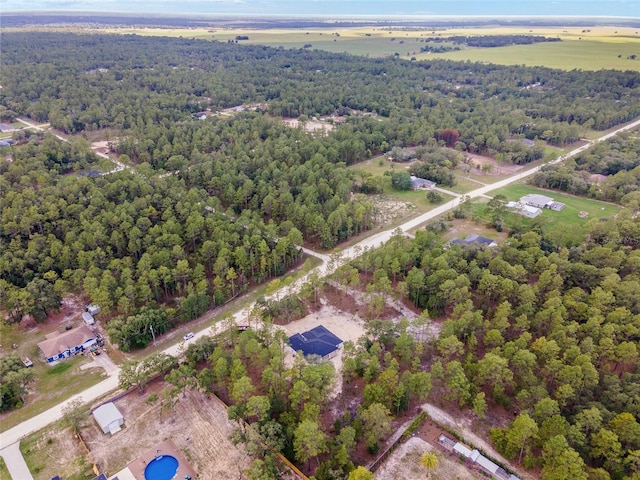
(329, 263)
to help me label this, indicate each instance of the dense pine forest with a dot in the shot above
(213, 206)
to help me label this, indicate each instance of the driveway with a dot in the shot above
(102, 361)
(15, 463)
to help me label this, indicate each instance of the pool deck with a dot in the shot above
(165, 448)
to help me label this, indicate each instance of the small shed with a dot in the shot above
(109, 418)
(93, 309)
(88, 318)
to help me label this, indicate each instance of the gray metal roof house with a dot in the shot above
(418, 183)
(536, 200)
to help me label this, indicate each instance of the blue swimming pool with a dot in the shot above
(164, 467)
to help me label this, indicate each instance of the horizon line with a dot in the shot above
(317, 16)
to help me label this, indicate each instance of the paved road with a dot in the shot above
(329, 263)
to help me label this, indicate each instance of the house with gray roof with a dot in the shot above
(418, 183)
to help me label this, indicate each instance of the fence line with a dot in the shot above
(401, 438)
(86, 448)
(293, 468)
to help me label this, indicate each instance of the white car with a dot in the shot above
(188, 336)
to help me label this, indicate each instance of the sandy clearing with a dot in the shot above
(346, 326)
(198, 426)
(497, 168)
(310, 125)
(404, 464)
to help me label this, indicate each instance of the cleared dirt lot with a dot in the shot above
(404, 464)
(197, 425)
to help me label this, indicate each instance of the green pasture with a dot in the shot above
(4, 471)
(565, 226)
(592, 48)
(464, 185)
(566, 55)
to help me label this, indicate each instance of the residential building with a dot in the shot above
(317, 341)
(68, 344)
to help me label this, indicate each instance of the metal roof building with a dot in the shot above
(536, 200)
(109, 418)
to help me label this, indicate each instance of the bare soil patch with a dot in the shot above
(387, 209)
(460, 228)
(494, 167)
(197, 424)
(404, 464)
(310, 126)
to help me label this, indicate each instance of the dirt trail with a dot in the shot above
(462, 425)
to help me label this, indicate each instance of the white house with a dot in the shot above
(525, 210)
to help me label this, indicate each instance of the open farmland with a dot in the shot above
(592, 48)
(565, 55)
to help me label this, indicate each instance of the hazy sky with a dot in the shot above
(614, 8)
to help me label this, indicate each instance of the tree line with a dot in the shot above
(617, 159)
(89, 82)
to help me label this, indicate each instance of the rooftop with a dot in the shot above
(66, 340)
(317, 341)
(536, 199)
(106, 414)
(421, 182)
(474, 239)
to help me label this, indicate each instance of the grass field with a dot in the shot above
(4, 472)
(592, 48)
(565, 226)
(417, 197)
(566, 55)
(41, 451)
(52, 385)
